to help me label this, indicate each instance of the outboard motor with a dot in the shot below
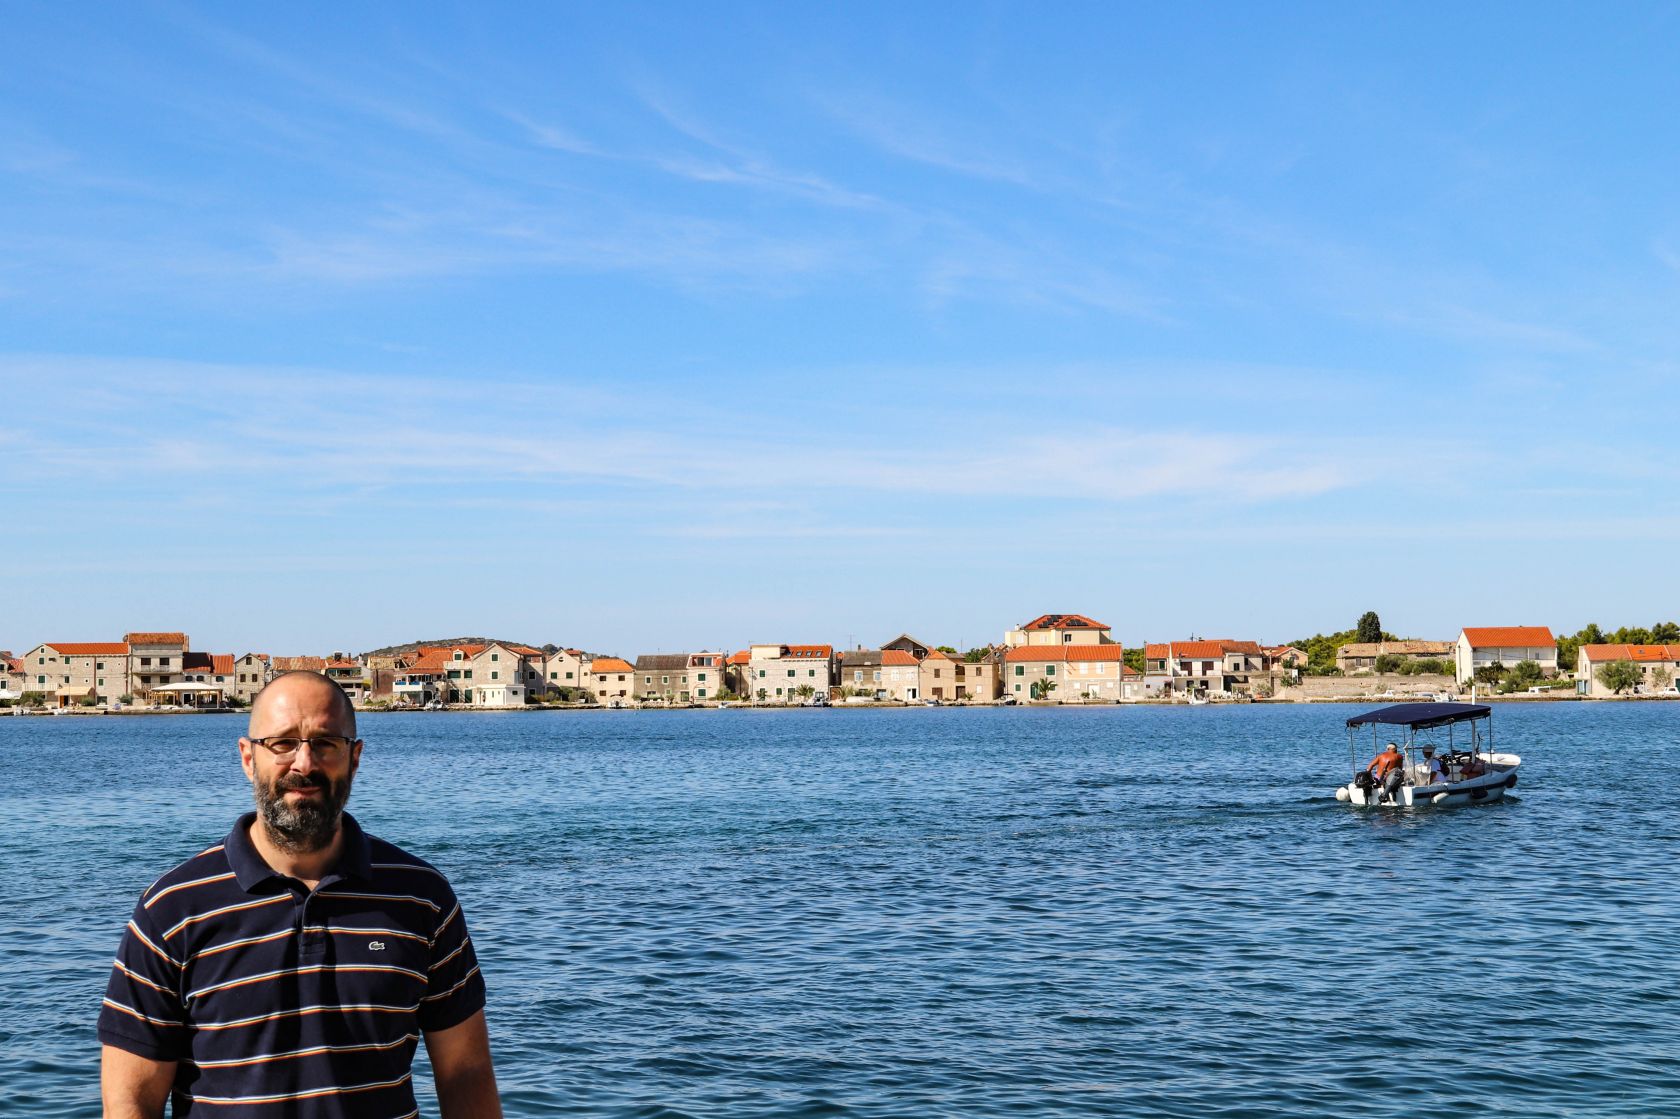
(1364, 781)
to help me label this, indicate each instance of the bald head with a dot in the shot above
(300, 697)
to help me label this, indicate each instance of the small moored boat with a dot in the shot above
(1460, 738)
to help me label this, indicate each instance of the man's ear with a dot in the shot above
(355, 755)
(248, 758)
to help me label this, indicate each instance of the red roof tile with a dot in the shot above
(1063, 621)
(610, 664)
(1157, 652)
(1509, 637)
(1200, 650)
(299, 664)
(897, 657)
(155, 638)
(89, 648)
(743, 657)
(1632, 652)
(1073, 653)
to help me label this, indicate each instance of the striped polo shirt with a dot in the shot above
(279, 1001)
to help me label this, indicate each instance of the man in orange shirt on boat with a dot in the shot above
(1387, 770)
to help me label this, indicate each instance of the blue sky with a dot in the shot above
(656, 327)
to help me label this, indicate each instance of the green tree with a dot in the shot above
(763, 695)
(804, 691)
(1662, 677)
(1133, 659)
(1664, 633)
(975, 656)
(1389, 662)
(33, 699)
(947, 650)
(1526, 674)
(1369, 628)
(1041, 689)
(1619, 676)
(1490, 673)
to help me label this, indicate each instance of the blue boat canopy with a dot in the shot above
(1422, 715)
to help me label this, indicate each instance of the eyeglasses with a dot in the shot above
(324, 747)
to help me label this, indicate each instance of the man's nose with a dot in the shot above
(305, 761)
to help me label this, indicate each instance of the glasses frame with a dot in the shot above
(334, 746)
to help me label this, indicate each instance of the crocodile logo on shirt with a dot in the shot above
(376, 946)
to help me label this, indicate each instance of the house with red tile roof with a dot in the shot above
(73, 672)
(612, 680)
(1060, 629)
(505, 675)
(433, 673)
(1481, 647)
(1219, 666)
(1082, 673)
(11, 676)
(781, 673)
(1659, 667)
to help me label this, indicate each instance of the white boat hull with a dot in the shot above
(1484, 789)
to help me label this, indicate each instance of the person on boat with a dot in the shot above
(1388, 770)
(1434, 773)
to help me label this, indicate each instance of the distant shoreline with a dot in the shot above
(457, 709)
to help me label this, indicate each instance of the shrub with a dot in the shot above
(87, 701)
(1389, 662)
(33, 699)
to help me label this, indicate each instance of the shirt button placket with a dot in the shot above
(312, 943)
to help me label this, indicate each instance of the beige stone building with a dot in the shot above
(612, 680)
(778, 673)
(1362, 656)
(155, 661)
(1060, 629)
(1659, 667)
(251, 673)
(71, 672)
(503, 675)
(1073, 673)
(1207, 667)
(1504, 645)
(11, 676)
(679, 677)
(566, 668)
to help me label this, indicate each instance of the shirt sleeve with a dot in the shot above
(454, 987)
(142, 1012)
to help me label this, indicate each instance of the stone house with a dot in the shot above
(776, 673)
(251, 673)
(1082, 672)
(1060, 629)
(1359, 656)
(566, 668)
(612, 680)
(154, 660)
(70, 672)
(1659, 667)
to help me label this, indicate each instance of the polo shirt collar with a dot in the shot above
(250, 871)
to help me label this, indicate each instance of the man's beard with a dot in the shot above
(306, 825)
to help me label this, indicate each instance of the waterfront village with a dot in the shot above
(1052, 659)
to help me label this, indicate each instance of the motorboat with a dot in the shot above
(1197, 699)
(1460, 735)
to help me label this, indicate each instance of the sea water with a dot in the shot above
(988, 912)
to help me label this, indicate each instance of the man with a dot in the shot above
(1434, 773)
(292, 969)
(1387, 772)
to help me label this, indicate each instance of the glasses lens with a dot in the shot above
(326, 748)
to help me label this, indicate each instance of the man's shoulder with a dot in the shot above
(209, 865)
(400, 870)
